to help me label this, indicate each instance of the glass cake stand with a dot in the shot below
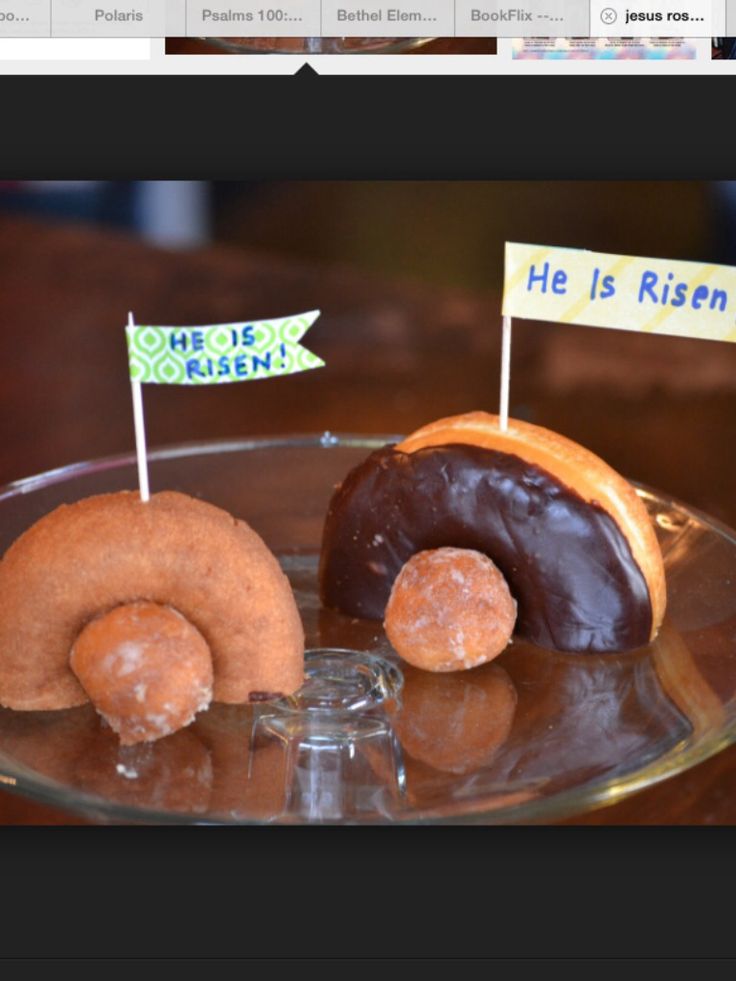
(318, 45)
(533, 736)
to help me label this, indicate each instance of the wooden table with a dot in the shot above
(398, 355)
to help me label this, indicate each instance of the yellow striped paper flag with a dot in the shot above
(597, 289)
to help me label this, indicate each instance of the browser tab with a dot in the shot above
(108, 18)
(232, 18)
(522, 18)
(387, 18)
(25, 18)
(672, 18)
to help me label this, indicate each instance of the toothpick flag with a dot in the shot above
(220, 353)
(623, 292)
(212, 355)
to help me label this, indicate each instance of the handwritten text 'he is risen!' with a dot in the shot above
(239, 365)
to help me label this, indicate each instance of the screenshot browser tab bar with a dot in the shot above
(364, 18)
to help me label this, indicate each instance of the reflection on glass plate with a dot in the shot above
(531, 737)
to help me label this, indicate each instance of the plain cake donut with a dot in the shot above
(83, 560)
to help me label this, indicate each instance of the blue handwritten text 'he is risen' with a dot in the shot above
(653, 288)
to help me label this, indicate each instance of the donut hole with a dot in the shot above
(450, 609)
(146, 669)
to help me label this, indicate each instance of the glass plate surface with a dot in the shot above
(531, 737)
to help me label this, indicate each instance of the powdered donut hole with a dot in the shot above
(146, 669)
(450, 609)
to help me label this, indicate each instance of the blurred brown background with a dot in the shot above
(446, 233)
(453, 233)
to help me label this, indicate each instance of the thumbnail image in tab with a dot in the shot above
(330, 45)
(604, 48)
(723, 48)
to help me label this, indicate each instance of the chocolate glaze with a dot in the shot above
(567, 562)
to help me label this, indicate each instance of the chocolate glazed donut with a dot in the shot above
(85, 559)
(569, 559)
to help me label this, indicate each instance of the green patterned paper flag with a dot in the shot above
(220, 353)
